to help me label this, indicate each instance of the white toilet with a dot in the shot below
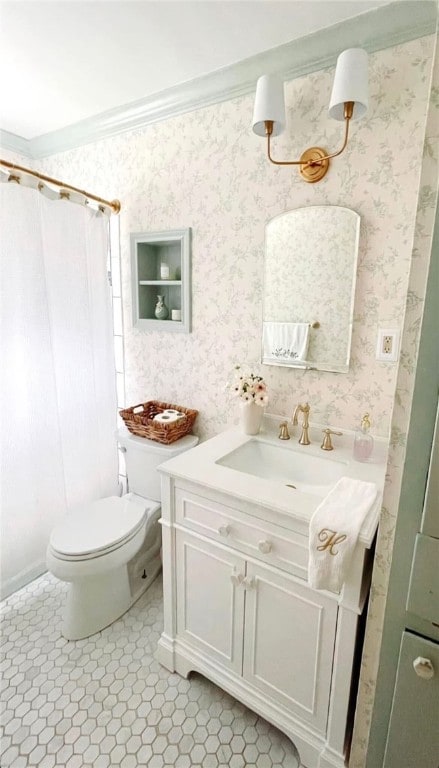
(109, 550)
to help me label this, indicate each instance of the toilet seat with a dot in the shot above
(99, 528)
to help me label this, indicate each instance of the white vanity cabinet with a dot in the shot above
(239, 611)
(249, 619)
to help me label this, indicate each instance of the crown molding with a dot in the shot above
(374, 30)
(15, 143)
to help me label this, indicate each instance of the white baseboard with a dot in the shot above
(12, 585)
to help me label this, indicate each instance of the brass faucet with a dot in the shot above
(305, 409)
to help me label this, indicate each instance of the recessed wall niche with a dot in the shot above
(160, 267)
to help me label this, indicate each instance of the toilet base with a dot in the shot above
(94, 603)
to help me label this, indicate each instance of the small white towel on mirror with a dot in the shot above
(285, 342)
(334, 530)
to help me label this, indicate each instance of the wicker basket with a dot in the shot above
(140, 421)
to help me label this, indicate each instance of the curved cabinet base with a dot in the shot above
(314, 751)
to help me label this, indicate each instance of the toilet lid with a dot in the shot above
(99, 525)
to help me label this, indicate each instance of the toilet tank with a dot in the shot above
(142, 457)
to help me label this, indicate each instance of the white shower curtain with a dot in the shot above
(58, 401)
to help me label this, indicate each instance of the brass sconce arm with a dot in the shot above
(314, 162)
(268, 132)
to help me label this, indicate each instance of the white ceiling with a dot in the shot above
(64, 61)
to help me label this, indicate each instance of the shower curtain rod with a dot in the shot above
(114, 205)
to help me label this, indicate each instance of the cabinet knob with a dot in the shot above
(224, 530)
(249, 582)
(423, 668)
(264, 547)
(236, 578)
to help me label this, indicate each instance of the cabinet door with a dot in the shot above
(210, 604)
(413, 737)
(289, 643)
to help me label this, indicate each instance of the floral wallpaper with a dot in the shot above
(425, 219)
(309, 272)
(208, 171)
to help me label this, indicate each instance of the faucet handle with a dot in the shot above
(283, 431)
(327, 443)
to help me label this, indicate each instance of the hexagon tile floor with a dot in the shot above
(105, 702)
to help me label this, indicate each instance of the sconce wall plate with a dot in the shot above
(314, 164)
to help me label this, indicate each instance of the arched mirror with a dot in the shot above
(309, 287)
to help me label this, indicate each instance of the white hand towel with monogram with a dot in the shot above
(334, 530)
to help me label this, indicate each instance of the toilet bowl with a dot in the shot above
(109, 550)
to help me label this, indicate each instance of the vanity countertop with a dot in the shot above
(199, 465)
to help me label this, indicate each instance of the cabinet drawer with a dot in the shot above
(413, 728)
(265, 541)
(423, 594)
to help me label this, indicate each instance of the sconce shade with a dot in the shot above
(350, 84)
(269, 105)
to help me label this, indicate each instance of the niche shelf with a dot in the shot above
(150, 252)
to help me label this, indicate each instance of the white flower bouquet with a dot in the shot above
(251, 389)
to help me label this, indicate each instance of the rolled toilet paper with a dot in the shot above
(175, 314)
(167, 418)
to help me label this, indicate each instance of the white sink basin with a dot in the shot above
(292, 467)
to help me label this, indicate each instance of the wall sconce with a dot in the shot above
(349, 101)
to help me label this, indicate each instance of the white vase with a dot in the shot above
(251, 417)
